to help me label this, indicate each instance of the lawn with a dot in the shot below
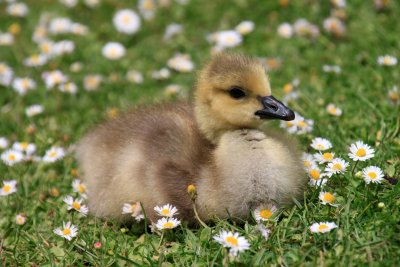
(310, 65)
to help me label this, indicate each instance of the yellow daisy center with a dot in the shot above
(314, 174)
(289, 124)
(307, 163)
(165, 211)
(337, 166)
(11, 157)
(81, 188)
(320, 146)
(76, 205)
(52, 154)
(372, 175)
(126, 19)
(361, 152)
(323, 227)
(148, 5)
(6, 188)
(66, 231)
(25, 83)
(168, 225)
(287, 88)
(332, 110)
(302, 124)
(229, 39)
(327, 156)
(232, 241)
(328, 197)
(24, 145)
(265, 214)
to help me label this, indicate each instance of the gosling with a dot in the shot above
(151, 154)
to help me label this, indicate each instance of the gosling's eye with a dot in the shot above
(237, 93)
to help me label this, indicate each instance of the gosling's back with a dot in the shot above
(149, 154)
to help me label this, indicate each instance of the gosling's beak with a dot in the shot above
(274, 109)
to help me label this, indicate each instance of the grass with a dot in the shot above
(366, 235)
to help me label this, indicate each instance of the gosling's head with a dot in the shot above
(233, 92)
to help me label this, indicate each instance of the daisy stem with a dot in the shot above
(197, 215)
(161, 239)
(354, 168)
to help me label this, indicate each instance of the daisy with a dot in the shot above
(91, 82)
(387, 60)
(171, 30)
(63, 47)
(299, 125)
(69, 87)
(60, 25)
(53, 154)
(333, 110)
(6, 38)
(303, 28)
(316, 177)
(339, 3)
(53, 78)
(264, 214)
(265, 232)
(147, 8)
(26, 147)
(360, 151)
(181, 63)
(8, 188)
(3, 142)
(167, 223)
(394, 95)
(329, 68)
(308, 160)
(92, 3)
(161, 74)
(68, 231)
(225, 39)
(126, 21)
(46, 47)
(113, 51)
(327, 198)
(135, 209)
(335, 26)
(166, 210)
(39, 34)
(233, 241)
(172, 90)
(285, 30)
(372, 174)
(79, 187)
(34, 110)
(322, 227)
(76, 67)
(20, 219)
(76, 204)
(6, 74)
(134, 76)
(321, 144)
(245, 27)
(11, 157)
(17, 9)
(79, 29)
(324, 157)
(36, 60)
(336, 166)
(69, 3)
(23, 85)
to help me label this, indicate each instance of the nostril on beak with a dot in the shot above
(274, 107)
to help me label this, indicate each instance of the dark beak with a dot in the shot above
(274, 109)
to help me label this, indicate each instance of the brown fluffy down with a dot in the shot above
(151, 154)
